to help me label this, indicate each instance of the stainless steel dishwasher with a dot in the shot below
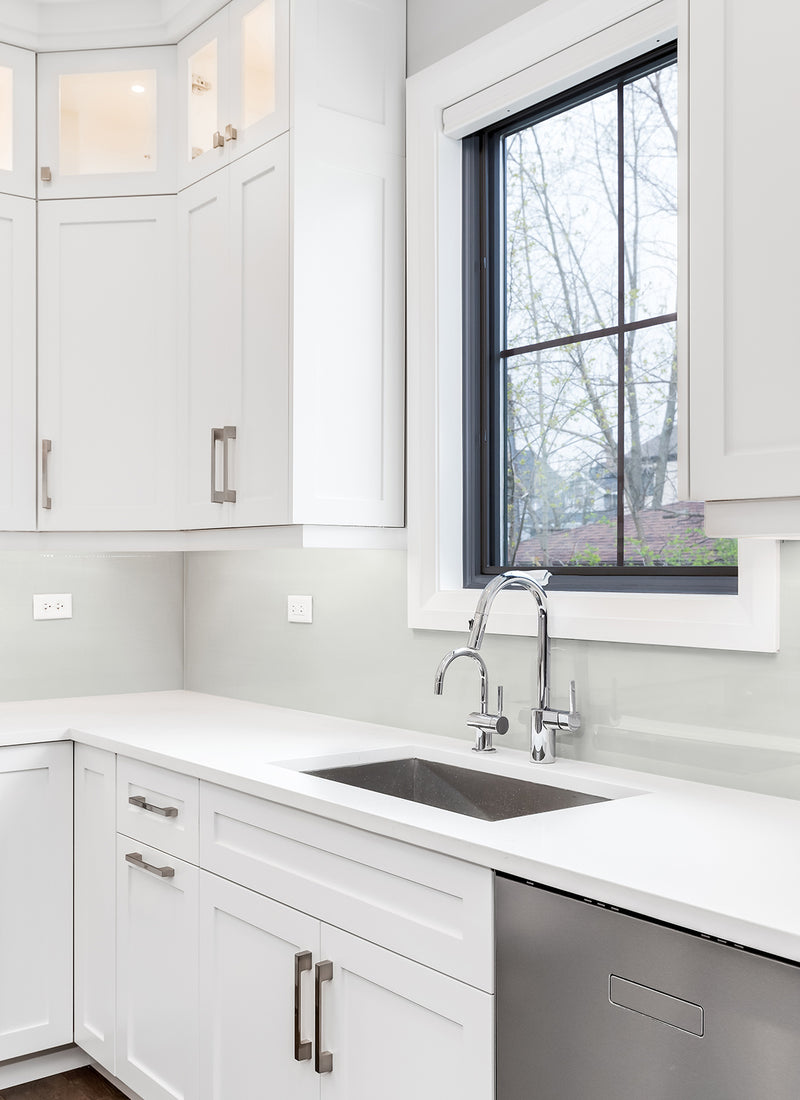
(597, 1004)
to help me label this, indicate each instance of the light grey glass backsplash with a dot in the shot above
(126, 633)
(728, 718)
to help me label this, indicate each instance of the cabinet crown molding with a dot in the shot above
(47, 25)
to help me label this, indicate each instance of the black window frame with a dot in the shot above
(483, 254)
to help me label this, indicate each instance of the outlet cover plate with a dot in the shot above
(52, 605)
(299, 609)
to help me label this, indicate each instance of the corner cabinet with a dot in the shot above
(36, 914)
(744, 282)
(292, 303)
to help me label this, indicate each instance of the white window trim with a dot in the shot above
(557, 44)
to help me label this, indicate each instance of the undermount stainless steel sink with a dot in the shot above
(479, 794)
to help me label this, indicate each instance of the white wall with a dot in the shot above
(728, 718)
(436, 28)
(126, 633)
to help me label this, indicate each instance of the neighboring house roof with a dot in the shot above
(658, 527)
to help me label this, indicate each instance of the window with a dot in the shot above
(571, 365)
(549, 49)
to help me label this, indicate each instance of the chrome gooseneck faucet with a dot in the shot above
(484, 724)
(545, 722)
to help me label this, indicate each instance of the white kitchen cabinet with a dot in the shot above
(17, 363)
(17, 121)
(95, 901)
(36, 914)
(233, 85)
(744, 282)
(106, 122)
(327, 343)
(234, 343)
(389, 1026)
(107, 364)
(396, 1029)
(251, 986)
(157, 968)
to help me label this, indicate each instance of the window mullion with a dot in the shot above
(620, 324)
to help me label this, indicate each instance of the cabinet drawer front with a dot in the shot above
(164, 810)
(425, 906)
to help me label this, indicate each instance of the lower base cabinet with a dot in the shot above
(294, 1008)
(36, 910)
(223, 993)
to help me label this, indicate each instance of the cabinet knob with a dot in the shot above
(219, 140)
(46, 175)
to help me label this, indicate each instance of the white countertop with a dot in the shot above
(715, 860)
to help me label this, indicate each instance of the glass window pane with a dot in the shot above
(561, 411)
(660, 528)
(561, 224)
(258, 63)
(107, 122)
(203, 92)
(651, 194)
(6, 119)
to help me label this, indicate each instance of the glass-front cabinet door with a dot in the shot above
(107, 123)
(17, 121)
(233, 85)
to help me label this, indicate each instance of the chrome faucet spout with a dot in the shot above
(484, 723)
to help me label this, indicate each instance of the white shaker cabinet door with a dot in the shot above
(95, 901)
(36, 912)
(107, 418)
(256, 975)
(17, 363)
(744, 280)
(157, 960)
(395, 1029)
(233, 333)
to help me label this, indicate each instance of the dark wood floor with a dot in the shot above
(77, 1084)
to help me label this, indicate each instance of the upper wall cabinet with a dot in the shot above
(107, 364)
(744, 279)
(17, 121)
(233, 85)
(291, 295)
(107, 123)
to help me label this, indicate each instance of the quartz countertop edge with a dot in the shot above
(718, 861)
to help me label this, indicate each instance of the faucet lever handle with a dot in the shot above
(499, 700)
(573, 714)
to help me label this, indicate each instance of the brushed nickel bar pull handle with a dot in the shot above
(231, 133)
(47, 500)
(217, 496)
(46, 175)
(137, 860)
(302, 1047)
(140, 801)
(323, 1059)
(228, 494)
(219, 140)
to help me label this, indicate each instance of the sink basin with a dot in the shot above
(479, 794)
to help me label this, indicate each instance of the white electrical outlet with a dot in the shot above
(53, 605)
(299, 609)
